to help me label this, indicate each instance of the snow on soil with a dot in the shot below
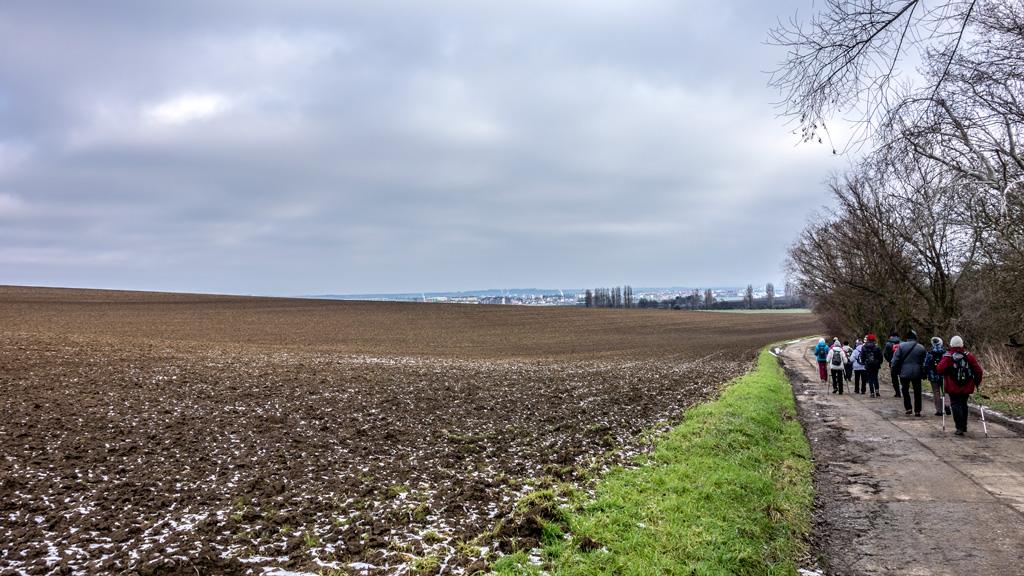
(133, 456)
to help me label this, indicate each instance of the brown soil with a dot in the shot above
(183, 434)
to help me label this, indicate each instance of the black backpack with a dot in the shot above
(870, 356)
(961, 372)
(837, 357)
(932, 361)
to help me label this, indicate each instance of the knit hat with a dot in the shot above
(821, 340)
(871, 338)
(956, 342)
(936, 341)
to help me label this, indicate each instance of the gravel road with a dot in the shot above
(897, 494)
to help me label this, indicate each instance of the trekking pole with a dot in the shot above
(982, 408)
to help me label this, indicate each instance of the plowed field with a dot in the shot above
(184, 434)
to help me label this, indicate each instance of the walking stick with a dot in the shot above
(982, 408)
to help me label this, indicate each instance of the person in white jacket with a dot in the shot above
(836, 362)
(860, 370)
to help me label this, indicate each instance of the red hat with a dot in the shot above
(871, 337)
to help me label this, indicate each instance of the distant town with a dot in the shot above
(676, 298)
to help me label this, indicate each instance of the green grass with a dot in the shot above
(766, 311)
(728, 491)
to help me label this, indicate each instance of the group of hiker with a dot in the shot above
(953, 373)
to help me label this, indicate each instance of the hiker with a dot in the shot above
(963, 374)
(848, 373)
(890, 349)
(821, 353)
(860, 371)
(871, 356)
(837, 360)
(931, 364)
(908, 363)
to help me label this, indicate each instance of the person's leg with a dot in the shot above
(937, 397)
(873, 381)
(895, 382)
(958, 404)
(917, 396)
(821, 370)
(905, 387)
(837, 381)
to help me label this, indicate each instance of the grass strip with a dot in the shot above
(728, 491)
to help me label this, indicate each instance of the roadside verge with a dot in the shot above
(728, 491)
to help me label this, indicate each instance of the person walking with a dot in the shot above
(908, 363)
(860, 371)
(848, 373)
(931, 365)
(821, 353)
(837, 360)
(890, 349)
(963, 375)
(871, 356)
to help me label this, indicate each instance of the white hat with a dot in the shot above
(956, 342)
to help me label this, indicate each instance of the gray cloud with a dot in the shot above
(311, 147)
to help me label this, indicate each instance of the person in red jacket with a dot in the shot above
(962, 375)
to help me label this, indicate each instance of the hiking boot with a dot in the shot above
(909, 412)
(948, 411)
(959, 432)
(918, 414)
(938, 413)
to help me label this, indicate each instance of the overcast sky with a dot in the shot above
(309, 147)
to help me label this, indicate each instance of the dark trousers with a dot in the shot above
(895, 382)
(958, 404)
(837, 381)
(907, 383)
(860, 381)
(873, 379)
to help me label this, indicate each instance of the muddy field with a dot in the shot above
(179, 434)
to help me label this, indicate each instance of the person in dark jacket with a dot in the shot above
(959, 390)
(908, 362)
(871, 356)
(848, 374)
(931, 364)
(890, 349)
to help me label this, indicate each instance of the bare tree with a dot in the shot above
(769, 295)
(709, 299)
(748, 297)
(889, 254)
(847, 57)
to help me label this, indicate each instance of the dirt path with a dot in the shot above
(900, 495)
